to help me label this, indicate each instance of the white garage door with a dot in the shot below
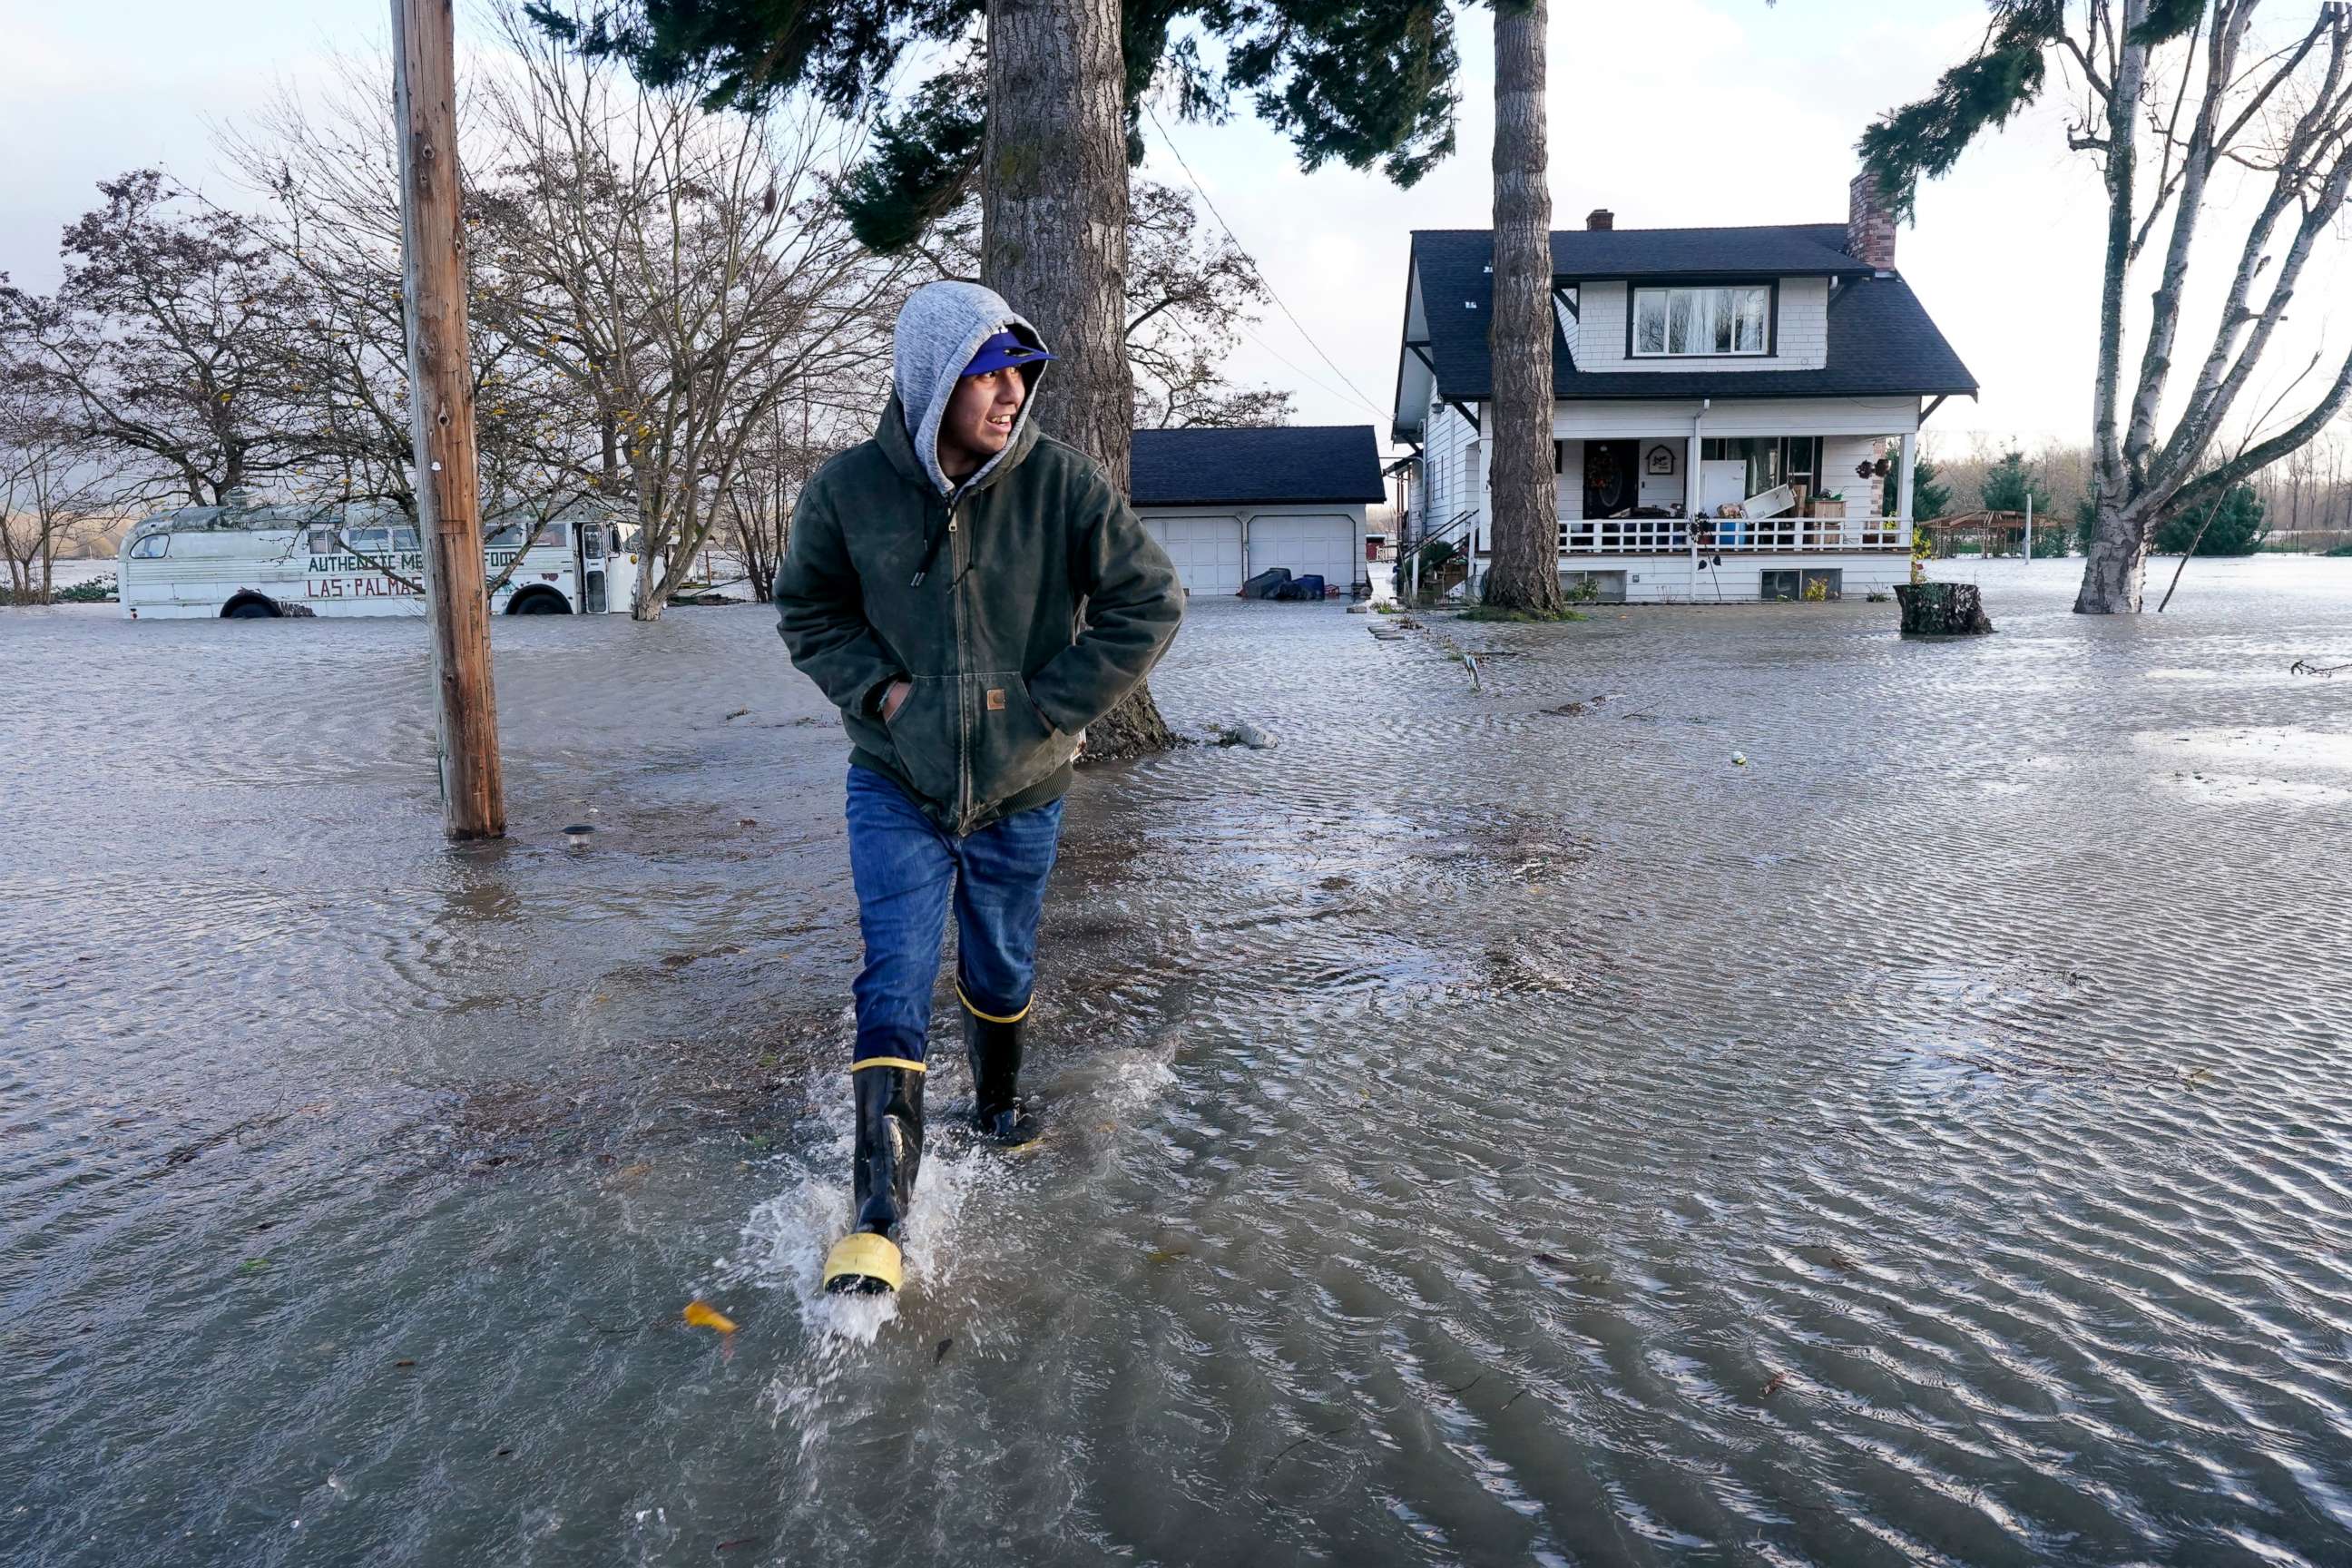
(1324, 546)
(1207, 551)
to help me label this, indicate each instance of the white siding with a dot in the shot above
(1840, 456)
(1803, 340)
(1671, 580)
(1663, 489)
(1873, 417)
(1454, 455)
(1571, 481)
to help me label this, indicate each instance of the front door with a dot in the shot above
(1611, 479)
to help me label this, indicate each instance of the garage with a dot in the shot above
(1228, 502)
(1323, 545)
(1207, 551)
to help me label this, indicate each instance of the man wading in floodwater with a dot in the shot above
(971, 596)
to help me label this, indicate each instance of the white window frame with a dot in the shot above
(1707, 304)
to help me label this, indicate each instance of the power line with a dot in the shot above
(1177, 153)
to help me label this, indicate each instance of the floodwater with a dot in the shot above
(1494, 1125)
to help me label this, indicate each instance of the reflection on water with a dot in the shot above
(1490, 1126)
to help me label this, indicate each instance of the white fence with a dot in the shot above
(1733, 535)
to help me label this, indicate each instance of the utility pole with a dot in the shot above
(441, 416)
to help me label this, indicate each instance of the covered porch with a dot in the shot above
(1714, 478)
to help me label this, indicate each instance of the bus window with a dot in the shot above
(507, 538)
(322, 542)
(371, 540)
(553, 535)
(404, 540)
(592, 542)
(152, 548)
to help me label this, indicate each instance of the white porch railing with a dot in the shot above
(1734, 535)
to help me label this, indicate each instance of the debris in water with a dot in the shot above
(940, 1354)
(1773, 1385)
(747, 822)
(740, 1541)
(704, 1316)
(1738, 758)
(739, 713)
(578, 830)
(406, 1361)
(1244, 734)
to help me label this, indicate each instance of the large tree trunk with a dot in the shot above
(1054, 242)
(2115, 568)
(1525, 572)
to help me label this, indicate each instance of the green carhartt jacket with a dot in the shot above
(1023, 604)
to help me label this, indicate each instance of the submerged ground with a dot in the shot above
(1492, 1125)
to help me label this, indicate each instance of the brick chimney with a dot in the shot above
(1869, 223)
(1601, 217)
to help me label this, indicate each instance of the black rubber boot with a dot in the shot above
(997, 1111)
(889, 1099)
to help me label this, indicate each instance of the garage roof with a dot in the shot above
(1261, 464)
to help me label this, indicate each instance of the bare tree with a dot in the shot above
(2171, 90)
(166, 336)
(683, 273)
(1188, 296)
(330, 212)
(50, 484)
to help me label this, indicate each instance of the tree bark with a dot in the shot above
(2116, 560)
(1054, 243)
(1525, 570)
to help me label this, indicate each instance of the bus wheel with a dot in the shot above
(249, 609)
(538, 602)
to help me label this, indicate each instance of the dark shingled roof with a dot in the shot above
(1785, 250)
(1882, 342)
(1264, 465)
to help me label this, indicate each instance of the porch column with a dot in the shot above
(1902, 491)
(1690, 492)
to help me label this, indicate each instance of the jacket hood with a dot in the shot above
(940, 329)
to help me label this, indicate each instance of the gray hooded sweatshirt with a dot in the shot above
(1022, 604)
(940, 329)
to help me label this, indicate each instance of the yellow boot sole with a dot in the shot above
(864, 1263)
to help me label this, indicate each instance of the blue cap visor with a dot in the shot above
(1000, 351)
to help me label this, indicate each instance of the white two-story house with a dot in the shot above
(1728, 404)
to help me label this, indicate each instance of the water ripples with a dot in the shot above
(1490, 1125)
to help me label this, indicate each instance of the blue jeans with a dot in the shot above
(906, 869)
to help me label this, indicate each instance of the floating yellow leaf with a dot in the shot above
(702, 1315)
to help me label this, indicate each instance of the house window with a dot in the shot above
(1771, 460)
(1721, 321)
(1813, 583)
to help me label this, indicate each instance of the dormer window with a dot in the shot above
(1723, 319)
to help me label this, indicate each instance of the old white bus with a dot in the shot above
(240, 562)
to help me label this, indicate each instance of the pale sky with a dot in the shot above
(1672, 112)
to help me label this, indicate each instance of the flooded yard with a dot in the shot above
(1725, 1084)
